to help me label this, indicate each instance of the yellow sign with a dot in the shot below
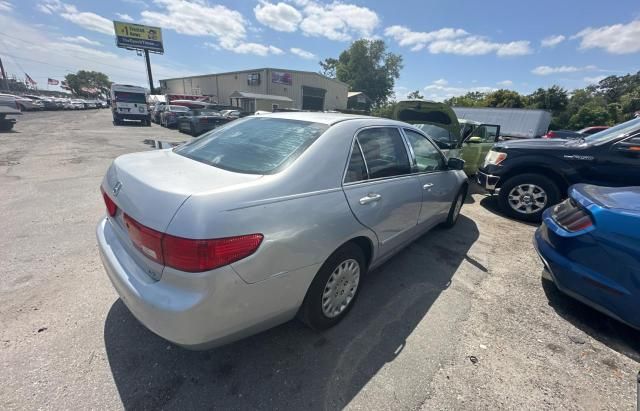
(137, 36)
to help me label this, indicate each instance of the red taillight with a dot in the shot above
(203, 255)
(571, 216)
(148, 241)
(190, 255)
(550, 134)
(111, 205)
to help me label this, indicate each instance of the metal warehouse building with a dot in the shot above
(264, 89)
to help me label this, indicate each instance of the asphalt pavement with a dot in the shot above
(458, 320)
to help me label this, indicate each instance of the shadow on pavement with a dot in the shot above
(291, 366)
(490, 203)
(612, 333)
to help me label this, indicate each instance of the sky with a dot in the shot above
(448, 47)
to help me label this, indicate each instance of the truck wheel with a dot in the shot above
(526, 196)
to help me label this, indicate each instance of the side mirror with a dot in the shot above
(474, 140)
(455, 164)
(631, 145)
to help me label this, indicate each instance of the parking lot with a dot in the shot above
(460, 319)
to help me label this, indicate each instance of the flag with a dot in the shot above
(64, 85)
(30, 80)
(52, 82)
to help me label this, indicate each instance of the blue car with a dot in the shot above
(590, 246)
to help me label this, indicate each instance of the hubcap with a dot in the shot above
(456, 210)
(341, 288)
(527, 198)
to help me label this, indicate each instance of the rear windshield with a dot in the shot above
(254, 145)
(439, 134)
(124, 97)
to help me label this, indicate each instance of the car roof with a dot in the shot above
(329, 118)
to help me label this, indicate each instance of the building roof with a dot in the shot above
(244, 94)
(513, 122)
(258, 69)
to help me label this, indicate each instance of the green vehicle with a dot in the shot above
(465, 139)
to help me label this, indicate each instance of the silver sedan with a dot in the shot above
(267, 218)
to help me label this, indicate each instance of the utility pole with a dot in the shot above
(5, 80)
(146, 58)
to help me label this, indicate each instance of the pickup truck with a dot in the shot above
(533, 175)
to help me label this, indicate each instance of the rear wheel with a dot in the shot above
(334, 289)
(526, 196)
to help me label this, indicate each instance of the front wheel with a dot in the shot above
(334, 289)
(456, 206)
(526, 196)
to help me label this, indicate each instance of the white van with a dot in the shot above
(129, 103)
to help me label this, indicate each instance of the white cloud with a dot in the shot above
(441, 82)
(201, 19)
(87, 20)
(280, 17)
(454, 41)
(5, 6)
(337, 21)
(615, 39)
(42, 53)
(593, 80)
(418, 40)
(505, 83)
(546, 70)
(81, 40)
(552, 41)
(303, 53)
(440, 92)
(124, 17)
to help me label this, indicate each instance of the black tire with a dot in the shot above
(311, 312)
(546, 185)
(454, 211)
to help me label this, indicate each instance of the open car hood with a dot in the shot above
(427, 112)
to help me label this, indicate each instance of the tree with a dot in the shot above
(589, 115)
(504, 98)
(366, 66)
(554, 99)
(471, 99)
(86, 80)
(415, 95)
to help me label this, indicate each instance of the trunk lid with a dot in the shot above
(621, 198)
(428, 112)
(154, 184)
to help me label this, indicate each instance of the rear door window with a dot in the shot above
(384, 152)
(356, 170)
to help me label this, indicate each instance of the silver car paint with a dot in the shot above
(303, 212)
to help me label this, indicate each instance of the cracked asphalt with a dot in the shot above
(458, 320)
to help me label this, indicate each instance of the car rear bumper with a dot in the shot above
(131, 116)
(487, 181)
(200, 310)
(585, 285)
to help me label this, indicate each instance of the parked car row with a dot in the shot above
(567, 134)
(33, 103)
(193, 117)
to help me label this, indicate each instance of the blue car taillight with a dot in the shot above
(571, 216)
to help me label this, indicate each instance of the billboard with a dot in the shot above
(281, 77)
(139, 37)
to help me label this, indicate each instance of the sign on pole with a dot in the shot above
(138, 37)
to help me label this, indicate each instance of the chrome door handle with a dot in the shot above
(427, 186)
(370, 198)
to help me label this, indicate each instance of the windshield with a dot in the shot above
(613, 132)
(178, 108)
(205, 113)
(255, 145)
(439, 134)
(125, 97)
